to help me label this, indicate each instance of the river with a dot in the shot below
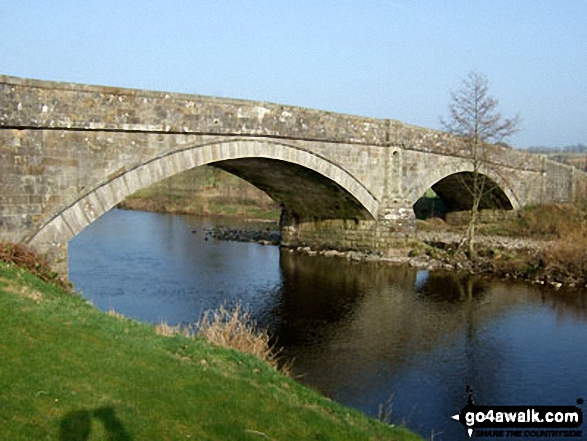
(371, 336)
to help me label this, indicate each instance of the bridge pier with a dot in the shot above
(348, 234)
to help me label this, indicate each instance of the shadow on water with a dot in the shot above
(77, 425)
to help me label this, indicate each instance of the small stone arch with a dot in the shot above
(72, 219)
(442, 178)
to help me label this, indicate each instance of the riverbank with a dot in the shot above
(544, 244)
(558, 261)
(78, 373)
(205, 191)
(212, 207)
(498, 256)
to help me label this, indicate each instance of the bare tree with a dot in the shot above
(474, 118)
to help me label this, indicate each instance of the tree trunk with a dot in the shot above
(472, 229)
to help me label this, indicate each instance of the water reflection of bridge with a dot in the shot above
(419, 309)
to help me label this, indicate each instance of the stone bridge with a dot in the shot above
(71, 152)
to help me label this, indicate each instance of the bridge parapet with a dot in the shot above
(37, 104)
(48, 105)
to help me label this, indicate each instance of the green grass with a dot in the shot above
(71, 372)
(205, 191)
(200, 205)
(246, 210)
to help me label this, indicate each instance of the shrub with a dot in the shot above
(568, 255)
(232, 329)
(22, 256)
(551, 221)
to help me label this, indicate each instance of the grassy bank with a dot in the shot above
(205, 191)
(71, 372)
(198, 205)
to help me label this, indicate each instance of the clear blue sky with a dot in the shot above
(394, 59)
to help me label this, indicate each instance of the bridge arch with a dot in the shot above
(238, 156)
(449, 183)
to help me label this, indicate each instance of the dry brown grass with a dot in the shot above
(551, 221)
(235, 329)
(433, 224)
(167, 330)
(568, 255)
(113, 313)
(232, 329)
(563, 255)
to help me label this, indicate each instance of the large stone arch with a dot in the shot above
(70, 220)
(443, 176)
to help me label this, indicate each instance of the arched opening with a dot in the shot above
(301, 191)
(256, 161)
(429, 206)
(455, 193)
(278, 185)
(164, 250)
(277, 191)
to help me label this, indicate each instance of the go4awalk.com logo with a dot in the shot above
(521, 421)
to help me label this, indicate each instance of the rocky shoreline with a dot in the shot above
(266, 236)
(498, 256)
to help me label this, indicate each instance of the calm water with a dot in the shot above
(363, 334)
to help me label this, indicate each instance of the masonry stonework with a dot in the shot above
(71, 152)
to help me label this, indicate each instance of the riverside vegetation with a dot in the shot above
(71, 372)
(546, 244)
